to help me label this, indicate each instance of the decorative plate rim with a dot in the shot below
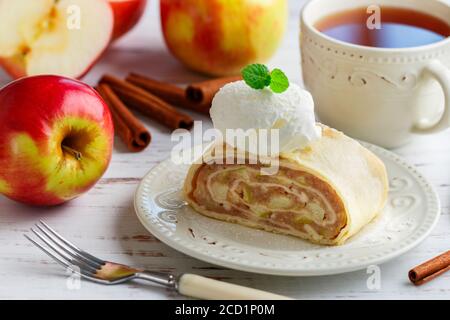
(162, 232)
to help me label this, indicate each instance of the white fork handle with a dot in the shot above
(204, 288)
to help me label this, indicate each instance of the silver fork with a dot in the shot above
(110, 273)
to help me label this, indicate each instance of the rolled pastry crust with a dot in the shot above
(351, 176)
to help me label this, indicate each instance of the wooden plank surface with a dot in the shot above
(103, 221)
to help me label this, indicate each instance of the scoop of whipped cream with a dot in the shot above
(237, 106)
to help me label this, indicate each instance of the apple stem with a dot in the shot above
(76, 154)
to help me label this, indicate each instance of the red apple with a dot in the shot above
(56, 139)
(127, 14)
(64, 37)
(220, 37)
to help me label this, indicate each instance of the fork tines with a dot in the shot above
(66, 253)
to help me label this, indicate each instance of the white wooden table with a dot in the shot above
(103, 221)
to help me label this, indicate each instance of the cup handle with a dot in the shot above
(441, 73)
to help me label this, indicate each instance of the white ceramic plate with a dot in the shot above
(412, 211)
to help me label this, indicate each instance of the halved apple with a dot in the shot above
(62, 37)
(127, 14)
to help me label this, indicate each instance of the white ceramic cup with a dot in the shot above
(379, 95)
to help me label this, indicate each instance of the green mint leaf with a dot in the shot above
(256, 76)
(280, 82)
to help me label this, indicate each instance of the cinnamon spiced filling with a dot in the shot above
(291, 200)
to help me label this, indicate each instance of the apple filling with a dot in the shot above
(295, 201)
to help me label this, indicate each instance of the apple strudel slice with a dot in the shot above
(324, 193)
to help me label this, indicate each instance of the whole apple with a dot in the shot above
(56, 139)
(127, 14)
(220, 37)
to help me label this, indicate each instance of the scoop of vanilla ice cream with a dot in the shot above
(237, 105)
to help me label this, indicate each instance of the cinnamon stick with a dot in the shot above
(202, 93)
(166, 91)
(197, 96)
(132, 132)
(148, 104)
(430, 269)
